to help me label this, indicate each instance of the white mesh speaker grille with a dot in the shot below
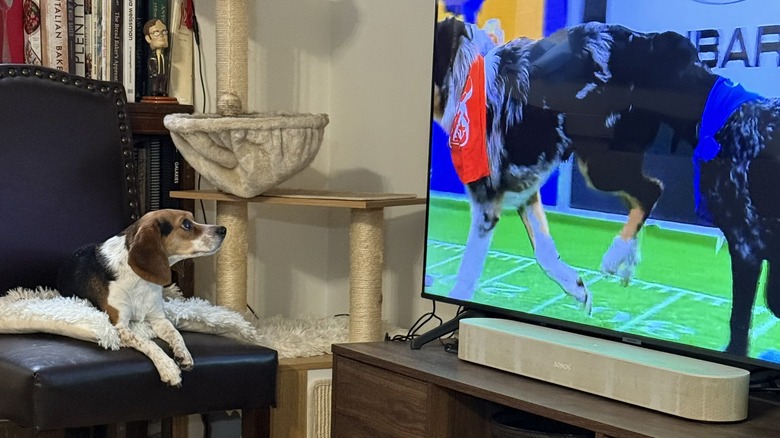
(319, 408)
(670, 383)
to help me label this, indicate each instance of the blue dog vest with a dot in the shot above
(724, 98)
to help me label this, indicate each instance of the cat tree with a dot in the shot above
(239, 152)
(245, 154)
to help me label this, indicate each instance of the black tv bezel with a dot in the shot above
(706, 354)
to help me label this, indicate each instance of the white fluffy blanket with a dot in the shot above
(45, 310)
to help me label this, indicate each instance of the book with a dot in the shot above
(32, 32)
(181, 51)
(162, 164)
(71, 29)
(98, 55)
(54, 34)
(140, 153)
(77, 37)
(115, 37)
(11, 31)
(170, 173)
(128, 48)
(89, 40)
(159, 9)
(105, 38)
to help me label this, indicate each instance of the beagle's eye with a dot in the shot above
(186, 224)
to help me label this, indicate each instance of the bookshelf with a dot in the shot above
(147, 118)
(146, 123)
(103, 40)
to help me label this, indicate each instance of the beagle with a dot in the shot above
(125, 276)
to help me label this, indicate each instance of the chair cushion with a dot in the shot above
(53, 382)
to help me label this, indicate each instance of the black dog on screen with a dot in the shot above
(630, 83)
(657, 78)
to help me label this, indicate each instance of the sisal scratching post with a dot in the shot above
(232, 53)
(232, 90)
(241, 152)
(365, 275)
(231, 258)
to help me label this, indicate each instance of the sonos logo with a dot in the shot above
(562, 365)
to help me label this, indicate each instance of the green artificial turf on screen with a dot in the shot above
(681, 290)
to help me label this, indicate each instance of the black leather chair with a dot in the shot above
(66, 179)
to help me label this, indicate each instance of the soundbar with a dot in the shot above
(669, 383)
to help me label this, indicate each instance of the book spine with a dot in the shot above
(79, 52)
(159, 9)
(71, 36)
(116, 38)
(77, 36)
(89, 41)
(55, 34)
(154, 175)
(12, 34)
(141, 162)
(128, 50)
(32, 32)
(105, 35)
(98, 34)
(170, 168)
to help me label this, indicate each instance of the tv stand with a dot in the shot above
(388, 389)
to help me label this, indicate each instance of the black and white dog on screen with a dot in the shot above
(631, 83)
(525, 144)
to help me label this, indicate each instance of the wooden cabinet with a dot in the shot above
(385, 389)
(372, 401)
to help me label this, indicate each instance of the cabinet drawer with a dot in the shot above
(370, 402)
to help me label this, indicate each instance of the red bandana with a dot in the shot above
(467, 136)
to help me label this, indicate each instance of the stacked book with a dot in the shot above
(99, 39)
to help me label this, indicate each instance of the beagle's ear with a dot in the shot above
(146, 256)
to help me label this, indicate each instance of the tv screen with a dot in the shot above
(611, 167)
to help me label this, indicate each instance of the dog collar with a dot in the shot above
(724, 98)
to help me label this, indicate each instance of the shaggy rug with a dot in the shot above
(45, 310)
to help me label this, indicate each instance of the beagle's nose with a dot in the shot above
(221, 231)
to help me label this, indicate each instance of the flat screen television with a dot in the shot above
(615, 193)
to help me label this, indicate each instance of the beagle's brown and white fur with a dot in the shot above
(125, 276)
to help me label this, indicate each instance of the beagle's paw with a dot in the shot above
(621, 259)
(170, 373)
(185, 361)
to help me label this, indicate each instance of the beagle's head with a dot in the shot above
(163, 237)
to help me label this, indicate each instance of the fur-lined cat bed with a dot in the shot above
(45, 310)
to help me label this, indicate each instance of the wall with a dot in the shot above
(367, 64)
